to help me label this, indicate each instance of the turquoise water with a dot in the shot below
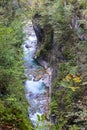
(35, 91)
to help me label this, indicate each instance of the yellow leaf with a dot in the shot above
(73, 88)
(68, 77)
(23, 1)
(77, 79)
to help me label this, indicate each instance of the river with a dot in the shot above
(38, 79)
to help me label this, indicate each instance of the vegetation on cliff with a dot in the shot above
(64, 25)
(68, 57)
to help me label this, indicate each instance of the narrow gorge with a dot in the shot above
(38, 83)
(43, 65)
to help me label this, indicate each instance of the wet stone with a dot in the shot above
(38, 77)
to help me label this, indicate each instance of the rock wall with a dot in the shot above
(57, 53)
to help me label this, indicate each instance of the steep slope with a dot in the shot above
(64, 28)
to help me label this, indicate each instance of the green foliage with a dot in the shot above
(62, 99)
(69, 50)
(41, 52)
(65, 68)
(74, 127)
(13, 106)
(82, 3)
(42, 124)
(60, 124)
(70, 78)
(54, 107)
(47, 43)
